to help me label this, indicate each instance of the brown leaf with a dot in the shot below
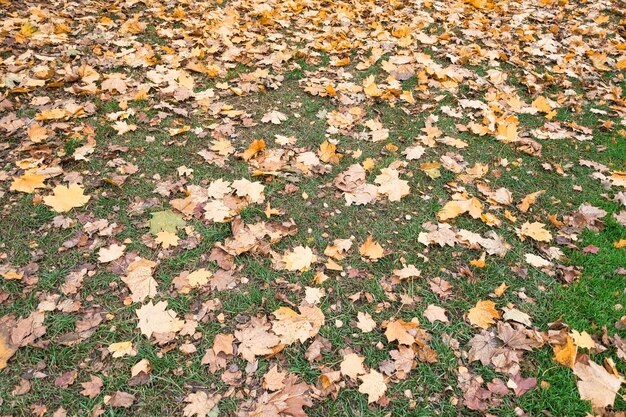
(120, 399)
(92, 387)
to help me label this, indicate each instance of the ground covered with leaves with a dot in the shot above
(312, 208)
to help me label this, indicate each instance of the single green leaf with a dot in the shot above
(165, 221)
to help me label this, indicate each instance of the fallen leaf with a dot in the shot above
(596, 384)
(365, 322)
(66, 198)
(299, 259)
(371, 249)
(483, 314)
(201, 405)
(435, 313)
(28, 183)
(91, 388)
(373, 384)
(113, 252)
(352, 366)
(155, 318)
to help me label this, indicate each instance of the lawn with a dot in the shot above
(308, 208)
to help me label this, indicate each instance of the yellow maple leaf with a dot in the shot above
(480, 262)
(254, 148)
(483, 314)
(566, 354)
(299, 259)
(352, 365)
(173, 131)
(529, 200)
(6, 349)
(37, 133)
(65, 198)
(371, 249)
(620, 243)
(370, 88)
(535, 231)
(541, 104)
(28, 183)
(166, 239)
(327, 153)
(454, 208)
(155, 318)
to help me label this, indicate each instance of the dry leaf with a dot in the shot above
(371, 249)
(66, 198)
(483, 314)
(155, 318)
(365, 322)
(596, 384)
(111, 253)
(352, 366)
(434, 313)
(373, 384)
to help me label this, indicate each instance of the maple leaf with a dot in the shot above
(275, 117)
(352, 366)
(483, 346)
(328, 153)
(167, 239)
(402, 331)
(409, 271)
(223, 343)
(201, 405)
(520, 385)
(455, 208)
(120, 399)
(373, 384)
(299, 259)
(165, 221)
(111, 253)
(120, 349)
(370, 88)
(390, 184)
(252, 190)
(365, 322)
(115, 84)
(371, 249)
(256, 340)
(273, 379)
(435, 313)
(291, 326)
(155, 318)
(66, 198)
(535, 231)
(529, 200)
(6, 348)
(288, 401)
(414, 152)
(139, 279)
(483, 314)
(254, 148)
(91, 388)
(566, 354)
(583, 340)
(122, 127)
(28, 183)
(596, 384)
(218, 212)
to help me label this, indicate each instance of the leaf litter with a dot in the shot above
(81, 85)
